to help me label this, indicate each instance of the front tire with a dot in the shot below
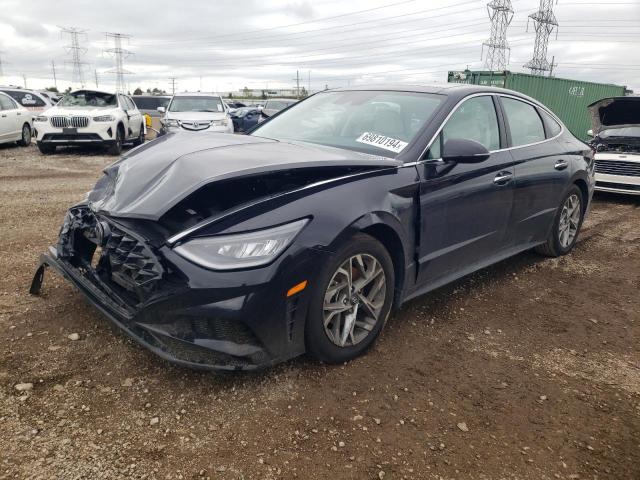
(566, 225)
(25, 139)
(351, 301)
(141, 138)
(46, 149)
(116, 147)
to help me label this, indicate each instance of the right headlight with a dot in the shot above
(242, 250)
(170, 122)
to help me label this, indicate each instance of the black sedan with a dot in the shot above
(236, 252)
(245, 118)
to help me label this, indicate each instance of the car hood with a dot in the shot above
(151, 179)
(615, 112)
(196, 115)
(85, 111)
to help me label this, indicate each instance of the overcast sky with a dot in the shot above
(225, 45)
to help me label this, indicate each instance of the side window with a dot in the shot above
(475, 119)
(524, 122)
(130, 104)
(6, 103)
(553, 127)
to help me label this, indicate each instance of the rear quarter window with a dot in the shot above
(553, 127)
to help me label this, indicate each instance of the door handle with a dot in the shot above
(18, 113)
(503, 178)
(561, 165)
(4, 115)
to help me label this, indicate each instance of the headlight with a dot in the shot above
(171, 122)
(220, 123)
(41, 118)
(243, 250)
(104, 118)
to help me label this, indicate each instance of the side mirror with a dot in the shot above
(590, 132)
(161, 109)
(264, 114)
(461, 150)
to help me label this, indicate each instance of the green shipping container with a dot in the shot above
(568, 99)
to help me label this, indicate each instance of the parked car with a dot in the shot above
(90, 117)
(196, 112)
(149, 104)
(274, 105)
(233, 104)
(32, 100)
(240, 251)
(245, 118)
(616, 131)
(15, 122)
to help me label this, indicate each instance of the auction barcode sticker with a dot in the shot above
(382, 141)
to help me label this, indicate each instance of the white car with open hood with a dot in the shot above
(90, 117)
(196, 112)
(616, 132)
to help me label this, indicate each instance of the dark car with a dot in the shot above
(244, 119)
(233, 104)
(148, 104)
(236, 252)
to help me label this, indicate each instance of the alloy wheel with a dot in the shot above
(26, 135)
(569, 220)
(354, 300)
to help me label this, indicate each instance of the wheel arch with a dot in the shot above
(386, 229)
(584, 189)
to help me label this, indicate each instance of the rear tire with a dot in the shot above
(116, 147)
(343, 323)
(25, 140)
(566, 225)
(46, 149)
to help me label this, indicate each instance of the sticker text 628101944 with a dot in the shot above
(382, 141)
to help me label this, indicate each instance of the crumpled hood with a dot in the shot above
(615, 112)
(196, 115)
(151, 179)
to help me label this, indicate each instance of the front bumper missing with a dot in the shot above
(194, 352)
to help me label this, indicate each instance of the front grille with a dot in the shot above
(133, 264)
(618, 186)
(618, 167)
(64, 122)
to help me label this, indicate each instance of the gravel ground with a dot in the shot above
(526, 370)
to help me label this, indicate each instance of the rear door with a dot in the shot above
(465, 208)
(541, 170)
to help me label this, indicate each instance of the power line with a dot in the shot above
(544, 21)
(119, 53)
(501, 14)
(76, 51)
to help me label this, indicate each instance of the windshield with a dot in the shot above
(621, 132)
(150, 103)
(196, 104)
(87, 98)
(277, 104)
(377, 122)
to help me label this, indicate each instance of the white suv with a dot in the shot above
(90, 117)
(196, 112)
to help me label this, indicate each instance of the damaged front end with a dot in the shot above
(121, 248)
(616, 143)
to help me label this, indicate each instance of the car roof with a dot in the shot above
(197, 94)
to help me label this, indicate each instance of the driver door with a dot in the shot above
(10, 126)
(465, 208)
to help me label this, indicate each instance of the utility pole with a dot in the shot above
(119, 53)
(297, 79)
(76, 52)
(24, 79)
(53, 70)
(501, 14)
(309, 83)
(95, 73)
(544, 23)
(173, 85)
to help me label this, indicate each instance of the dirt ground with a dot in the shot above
(526, 370)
